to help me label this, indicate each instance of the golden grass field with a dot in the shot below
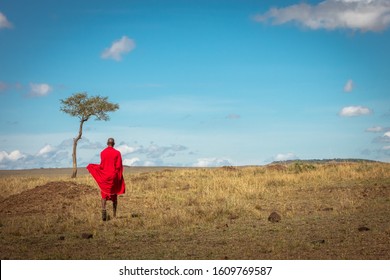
(328, 211)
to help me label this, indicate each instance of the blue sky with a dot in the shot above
(199, 83)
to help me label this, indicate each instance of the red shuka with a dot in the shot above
(109, 173)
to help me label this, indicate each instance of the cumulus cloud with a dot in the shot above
(131, 161)
(151, 155)
(156, 151)
(4, 22)
(85, 143)
(374, 129)
(363, 15)
(284, 157)
(212, 162)
(12, 156)
(138, 162)
(48, 156)
(47, 149)
(54, 156)
(118, 49)
(353, 111)
(382, 153)
(385, 138)
(348, 87)
(39, 90)
(125, 149)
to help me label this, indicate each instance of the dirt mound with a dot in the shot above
(52, 196)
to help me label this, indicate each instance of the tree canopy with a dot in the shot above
(82, 106)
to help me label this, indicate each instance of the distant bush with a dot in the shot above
(299, 167)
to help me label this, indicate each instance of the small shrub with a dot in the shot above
(299, 167)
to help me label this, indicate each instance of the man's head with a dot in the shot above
(111, 142)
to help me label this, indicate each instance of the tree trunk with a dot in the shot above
(75, 140)
(74, 173)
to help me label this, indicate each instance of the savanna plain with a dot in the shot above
(327, 210)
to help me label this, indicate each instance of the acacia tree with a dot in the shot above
(84, 107)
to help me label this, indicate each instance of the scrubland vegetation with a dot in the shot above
(327, 211)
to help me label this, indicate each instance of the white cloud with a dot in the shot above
(125, 149)
(47, 157)
(45, 150)
(178, 148)
(12, 160)
(12, 156)
(4, 23)
(38, 90)
(149, 163)
(386, 148)
(85, 143)
(348, 87)
(138, 162)
(353, 111)
(363, 15)
(59, 155)
(50, 156)
(155, 151)
(131, 161)
(374, 129)
(118, 49)
(212, 162)
(284, 157)
(151, 155)
(382, 139)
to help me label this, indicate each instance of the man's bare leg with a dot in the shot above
(114, 206)
(104, 211)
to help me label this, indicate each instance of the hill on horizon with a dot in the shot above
(319, 161)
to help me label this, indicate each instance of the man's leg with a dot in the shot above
(114, 204)
(104, 211)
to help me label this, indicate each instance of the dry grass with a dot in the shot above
(202, 214)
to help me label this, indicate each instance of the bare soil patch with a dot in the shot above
(49, 198)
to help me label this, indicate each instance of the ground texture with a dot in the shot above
(170, 214)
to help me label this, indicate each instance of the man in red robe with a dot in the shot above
(109, 176)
